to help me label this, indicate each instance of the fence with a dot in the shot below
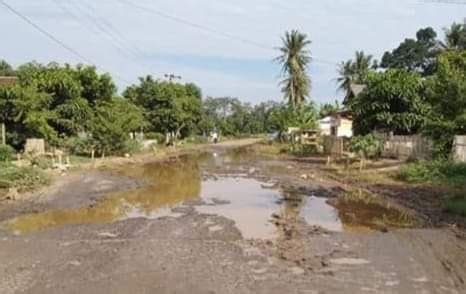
(334, 146)
(459, 149)
(407, 147)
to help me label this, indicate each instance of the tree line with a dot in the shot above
(78, 108)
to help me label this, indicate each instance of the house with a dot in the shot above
(8, 81)
(339, 124)
(354, 91)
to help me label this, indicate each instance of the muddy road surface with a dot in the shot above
(221, 220)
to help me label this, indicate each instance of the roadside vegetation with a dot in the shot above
(417, 88)
(15, 179)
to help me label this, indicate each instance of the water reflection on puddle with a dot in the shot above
(228, 191)
(247, 202)
(317, 212)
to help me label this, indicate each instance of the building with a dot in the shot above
(339, 124)
(8, 81)
(354, 91)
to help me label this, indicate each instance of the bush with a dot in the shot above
(22, 178)
(438, 171)
(131, 147)
(6, 153)
(78, 146)
(456, 206)
(39, 161)
(155, 136)
(368, 146)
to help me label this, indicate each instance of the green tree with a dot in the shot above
(455, 36)
(392, 101)
(6, 69)
(304, 116)
(354, 71)
(329, 109)
(112, 123)
(169, 108)
(294, 59)
(415, 54)
(27, 114)
(446, 92)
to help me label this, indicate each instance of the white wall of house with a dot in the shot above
(339, 127)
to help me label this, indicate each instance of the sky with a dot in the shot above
(226, 47)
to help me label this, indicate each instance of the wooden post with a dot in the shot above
(3, 134)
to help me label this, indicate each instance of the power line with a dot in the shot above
(194, 25)
(209, 29)
(111, 33)
(52, 37)
(44, 32)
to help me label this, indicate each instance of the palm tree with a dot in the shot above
(456, 36)
(353, 71)
(295, 59)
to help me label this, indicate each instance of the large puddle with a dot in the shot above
(214, 184)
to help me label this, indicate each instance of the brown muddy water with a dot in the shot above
(228, 185)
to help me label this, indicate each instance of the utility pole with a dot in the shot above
(172, 77)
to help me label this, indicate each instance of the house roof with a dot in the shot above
(8, 81)
(357, 89)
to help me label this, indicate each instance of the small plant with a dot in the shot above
(368, 146)
(6, 153)
(437, 171)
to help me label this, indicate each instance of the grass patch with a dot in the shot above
(22, 178)
(438, 172)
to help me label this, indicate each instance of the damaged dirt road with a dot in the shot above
(224, 220)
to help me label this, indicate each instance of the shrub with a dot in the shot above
(78, 146)
(39, 161)
(456, 206)
(437, 171)
(6, 153)
(131, 147)
(22, 178)
(368, 146)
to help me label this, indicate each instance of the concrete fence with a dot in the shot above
(459, 149)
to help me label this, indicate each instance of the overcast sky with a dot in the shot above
(224, 46)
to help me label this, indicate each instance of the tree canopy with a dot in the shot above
(414, 54)
(168, 107)
(391, 101)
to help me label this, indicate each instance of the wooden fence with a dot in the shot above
(334, 146)
(459, 149)
(407, 147)
(414, 147)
